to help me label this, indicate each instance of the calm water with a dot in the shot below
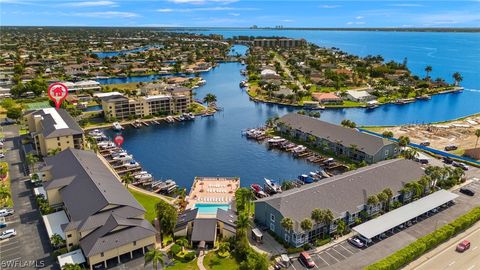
(117, 53)
(214, 146)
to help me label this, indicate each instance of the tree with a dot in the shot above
(287, 224)
(306, 224)
(328, 218)
(167, 217)
(183, 242)
(383, 199)
(224, 247)
(154, 256)
(127, 179)
(209, 98)
(477, 133)
(403, 141)
(71, 266)
(317, 215)
(457, 77)
(57, 240)
(387, 134)
(341, 227)
(389, 193)
(4, 194)
(372, 201)
(243, 199)
(243, 223)
(428, 69)
(14, 113)
(53, 152)
(31, 160)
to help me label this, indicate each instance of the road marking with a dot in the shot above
(339, 253)
(345, 249)
(452, 263)
(471, 267)
(332, 256)
(474, 248)
(293, 266)
(5, 250)
(318, 255)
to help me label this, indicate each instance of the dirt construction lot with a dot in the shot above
(460, 133)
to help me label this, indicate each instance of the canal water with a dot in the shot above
(214, 146)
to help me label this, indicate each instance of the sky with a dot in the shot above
(234, 13)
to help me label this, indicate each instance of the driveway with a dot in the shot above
(31, 247)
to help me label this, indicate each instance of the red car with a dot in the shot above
(462, 246)
(307, 260)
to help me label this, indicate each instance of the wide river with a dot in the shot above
(214, 146)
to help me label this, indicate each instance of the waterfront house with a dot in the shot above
(53, 129)
(359, 96)
(269, 74)
(345, 195)
(336, 139)
(102, 217)
(327, 98)
(279, 42)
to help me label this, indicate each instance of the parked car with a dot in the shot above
(6, 212)
(7, 122)
(462, 246)
(7, 234)
(425, 143)
(2, 155)
(306, 259)
(447, 160)
(421, 160)
(356, 242)
(451, 147)
(460, 165)
(467, 191)
(2, 225)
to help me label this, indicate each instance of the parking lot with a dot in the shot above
(345, 256)
(30, 248)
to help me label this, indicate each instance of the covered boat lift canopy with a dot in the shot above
(390, 220)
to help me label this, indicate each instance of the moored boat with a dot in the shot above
(272, 186)
(116, 126)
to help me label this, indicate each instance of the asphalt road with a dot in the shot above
(451, 259)
(30, 249)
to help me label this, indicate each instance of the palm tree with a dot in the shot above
(4, 193)
(372, 201)
(403, 141)
(477, 133)
(306, 224)
(243, 223)
(183, 242)
(57, 240)
(31, 160)
(53, 152)
(389, 194)
(457, 77)
(428, 69)
(317, 215)
(244, 197)
(155, 256)
(382, 198)
(127, 179)
(287, 224)
(71, 266)
(328, 218)
(209, 98)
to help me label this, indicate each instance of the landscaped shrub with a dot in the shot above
(321, 242)
(175, 249)
(427, 242)
(189, 256)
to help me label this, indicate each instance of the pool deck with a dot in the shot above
(213, 190)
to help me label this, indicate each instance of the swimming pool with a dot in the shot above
(209, 208)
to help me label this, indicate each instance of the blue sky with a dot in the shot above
(231, 13)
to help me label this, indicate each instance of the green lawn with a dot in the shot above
(213, 262)
(148, 202)
(37, 105)
(184, 266)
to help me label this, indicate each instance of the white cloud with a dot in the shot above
(359, 17)
(107, 14)
(165, 10)
(234, 14)
(91, 4)
(287, 20)
(330, 6)
(201, 1)
(356, 23)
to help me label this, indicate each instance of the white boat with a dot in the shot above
(95, 132)
(299, 149)
(116, 126)
(144, 176)
(275, 140)
(131, 164)
(272, 186)
(106, 144)
(123, 157)
(202, 82)
(170, 119)
(170, 186)
(191, 115)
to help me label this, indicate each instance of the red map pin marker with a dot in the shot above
(118, 140)
(57, 92)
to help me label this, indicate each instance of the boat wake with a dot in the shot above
(472, 90)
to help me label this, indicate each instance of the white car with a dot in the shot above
(7, 234)
(6, 212)
(2, 155)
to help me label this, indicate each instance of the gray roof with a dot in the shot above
(186, 217)
(346, 192)
(227, 217)
(92, 180)
(116, 232)
(366, 143)
(403, 214)
(204, 229)
(48, 124)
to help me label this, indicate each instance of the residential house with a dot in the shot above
(359, 96)
(327, 98)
